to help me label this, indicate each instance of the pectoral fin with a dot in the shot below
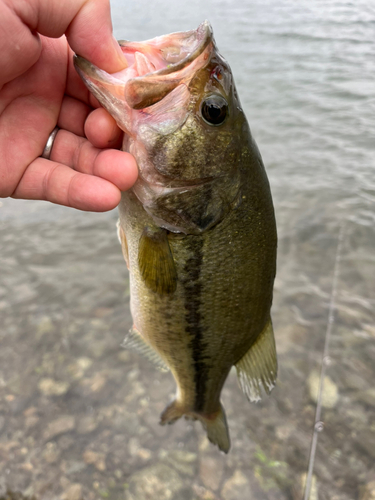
(135, 342)
(258, 368)
(156, 262)
(124, 243)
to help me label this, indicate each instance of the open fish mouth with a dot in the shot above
(162, 100)
(155, 67)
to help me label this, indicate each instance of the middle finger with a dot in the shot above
(73, 114)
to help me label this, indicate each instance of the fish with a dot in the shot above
(197, 229)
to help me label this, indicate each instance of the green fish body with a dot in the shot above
(198, 229)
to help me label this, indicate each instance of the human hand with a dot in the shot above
(39, 89)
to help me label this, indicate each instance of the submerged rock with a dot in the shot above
(158, 481)
(330, 394)
(367, 492)
(74, 492)
(236, 487)
(211, 471)
(298, 489)
(59, 426)
(96, 459)
(50, 387)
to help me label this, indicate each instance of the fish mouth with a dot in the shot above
(171, 53)
(155, 67)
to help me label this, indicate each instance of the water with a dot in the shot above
(77, 414)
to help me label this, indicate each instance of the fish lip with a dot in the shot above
(86, 68)
(204, 32)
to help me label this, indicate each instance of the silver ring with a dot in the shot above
(48, 148)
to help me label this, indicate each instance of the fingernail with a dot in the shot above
(121, 56)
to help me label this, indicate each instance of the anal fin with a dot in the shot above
(171, 413)
(257, 369)
(135, 342)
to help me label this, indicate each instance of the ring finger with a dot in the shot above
(79, 154)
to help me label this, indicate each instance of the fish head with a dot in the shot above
(177, 104)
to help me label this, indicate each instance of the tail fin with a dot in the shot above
(217, 429)
(215, 425)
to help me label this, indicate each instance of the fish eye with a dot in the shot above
(214, 109)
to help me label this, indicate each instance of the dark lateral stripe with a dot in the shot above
(193, 316)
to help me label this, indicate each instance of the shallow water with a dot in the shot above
(79, 416)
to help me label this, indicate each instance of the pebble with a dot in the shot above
(95, 383)
(211, 472)
(136, 450)
(87, 424)
(73, 467)
(283, 432)
(98, 349)
(330, 394)
(369, 329)
(66, 441)
(59, 426)
(157, 481)
(133, 446)
(203, 493)
(44, 326)
(96, 459)
(101, 312)
(51, 453)
(64, 483)
(182, 461)
(124, 356)
(367, 492)
(144, 454)
(50, 387)
(133, 374)
(27, 466)
(31, 421)
(237, 487)
(77, 369)
(74, 492)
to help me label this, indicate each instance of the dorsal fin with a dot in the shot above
(135, 342)
(258, 367)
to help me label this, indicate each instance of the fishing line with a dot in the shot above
(326, 361)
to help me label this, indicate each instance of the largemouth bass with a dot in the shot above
(198, 228)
